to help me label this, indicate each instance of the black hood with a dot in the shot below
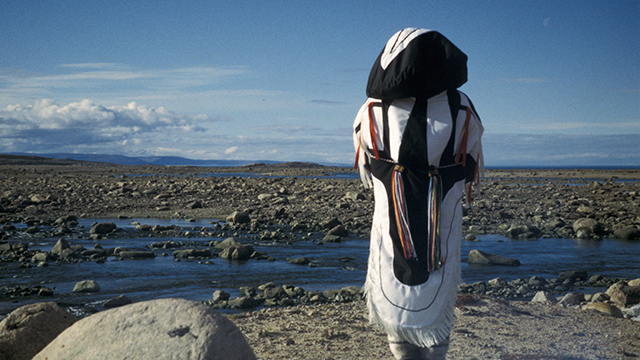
(417, 63)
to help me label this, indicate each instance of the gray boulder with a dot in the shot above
(228, 243)
(482, 258)
(523, 232)
(544, 297)
(121, 300)
(28, 329)
(238, 217)
(587, 227)
(242, 252)
(60, 246)
(136, 255)
(157, 329)
(191, 253)
(572, 299)
(627, 233)
(623, 295)
(103, 228)
(86, 286)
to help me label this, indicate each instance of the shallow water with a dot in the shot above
(165, 277)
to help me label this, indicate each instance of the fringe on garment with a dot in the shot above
(423, 336)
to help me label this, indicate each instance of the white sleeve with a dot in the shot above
(360, 136)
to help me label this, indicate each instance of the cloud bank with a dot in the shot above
(48, 126)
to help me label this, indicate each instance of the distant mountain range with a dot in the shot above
(146, 160)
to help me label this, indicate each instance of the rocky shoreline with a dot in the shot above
(289, 202)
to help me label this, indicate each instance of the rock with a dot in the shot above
(121, 300)
(497, 282)
(523, 231)
(572, 276)
(482, 258)
(45, 291)
(572, 299)
(163, 196)
(634, 282)
(191, 253)
(157, 329)
(339, 231)
(144, 227)
(60, 246)
(220, 295)
(5, 246)
(28, 329)
(632, 312)
(299, 261)
(136, 255)
(65, 220)
(600, 297)
(103, 228)
(244, 303)
(604, 308)
(332, 239)
(624, 295)
(242, 252)
(86, 286)
(537, 282)
(41, 257)
(329, 223)
(588, 226)
(544, 297)
(275, 293)
(227, 243)
(194, 205)
(627, 233)
(238, 217)
(354, 195)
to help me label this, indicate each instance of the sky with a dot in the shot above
(556, 83)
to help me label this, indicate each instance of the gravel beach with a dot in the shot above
(520, 204)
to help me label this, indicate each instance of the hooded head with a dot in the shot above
(417, 63)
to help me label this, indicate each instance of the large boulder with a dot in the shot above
(627, 233)
(483, 258)
(60, 246)
(86, 286)
(28, 329)
(156, 329)
(587, 227)
(242, 252)
(103, 228)
(238, 217)
(624, 295)
(228, 243)
(604, 308)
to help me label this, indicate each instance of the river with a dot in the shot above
(196, 280)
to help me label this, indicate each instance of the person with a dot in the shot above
(418, 145)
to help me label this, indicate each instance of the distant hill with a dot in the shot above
(7, 159)
(65, 158)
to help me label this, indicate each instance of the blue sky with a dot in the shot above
(556, 83)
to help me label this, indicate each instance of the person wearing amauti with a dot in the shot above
(417, 141)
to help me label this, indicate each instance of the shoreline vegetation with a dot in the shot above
(589, 204)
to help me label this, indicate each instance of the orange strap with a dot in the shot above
(355, 165)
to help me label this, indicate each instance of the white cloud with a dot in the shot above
(48, 125)
(231, 150)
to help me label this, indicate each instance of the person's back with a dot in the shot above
(417, 143)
